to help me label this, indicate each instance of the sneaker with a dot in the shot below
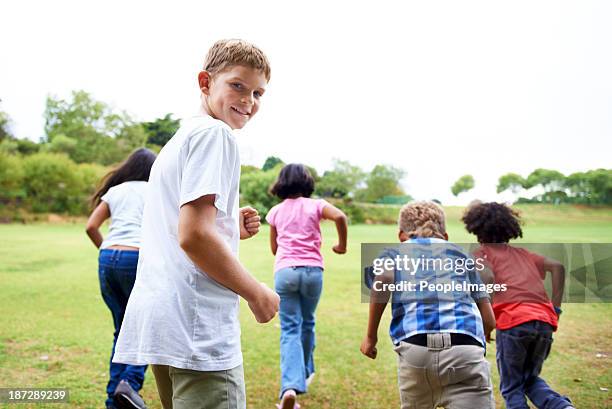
(127, 398)
(309, 379)
(288, 400)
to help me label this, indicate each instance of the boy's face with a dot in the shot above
(233, 95)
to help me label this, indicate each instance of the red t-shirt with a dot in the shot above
(523, 273)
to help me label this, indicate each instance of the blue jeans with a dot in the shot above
(117, 273)
(299, 289)
(521, 352)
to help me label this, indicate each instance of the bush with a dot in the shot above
(53, 184)
(254, 187)
(90, 175)
(11, 179)
(358, 212)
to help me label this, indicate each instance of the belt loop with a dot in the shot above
(439, 341)
(446, 340)
(434, 341)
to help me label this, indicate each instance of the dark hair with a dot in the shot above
(136, 167)
(492, 222)
(294, 180)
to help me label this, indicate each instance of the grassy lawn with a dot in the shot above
(55, 330)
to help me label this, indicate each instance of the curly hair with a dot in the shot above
(422, 219)
(493, 222)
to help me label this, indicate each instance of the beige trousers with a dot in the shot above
(188, 389)
(452, 377)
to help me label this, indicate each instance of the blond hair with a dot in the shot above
(226, 53)
(422, 219)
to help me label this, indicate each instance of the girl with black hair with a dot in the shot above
(295, 239)
(121, 197)
(525, 317)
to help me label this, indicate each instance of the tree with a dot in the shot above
(383, 180)
(271, 162)
(593, 187)
(512, 181)
(4, 126)
(600, 181)
(101, 134)
(342, 181)
(549, 179)
(161, 130)
(463, 184)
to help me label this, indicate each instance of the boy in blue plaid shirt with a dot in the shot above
(439, 336)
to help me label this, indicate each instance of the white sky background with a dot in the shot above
(440, 88)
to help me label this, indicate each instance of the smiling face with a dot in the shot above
(232, 95)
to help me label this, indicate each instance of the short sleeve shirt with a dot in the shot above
(125, 202)
(177, 315)
(523, 273)
(297, 223)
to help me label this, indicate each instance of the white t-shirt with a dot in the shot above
(176, 314)
(125, 202)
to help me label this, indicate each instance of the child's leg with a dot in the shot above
(287, 284)
(466, 378)
(111, 294)
(417, 376)
(310, 292)
(211, 390)
(536, 388)
(164, 384)
(125, 275)
(512, 352)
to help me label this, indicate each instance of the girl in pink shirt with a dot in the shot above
(295, 239)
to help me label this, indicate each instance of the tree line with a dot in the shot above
(590, 187)
(84, 137)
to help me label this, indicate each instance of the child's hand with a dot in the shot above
(368, 347)
(338, 249)
(250, 222)
(265, 305)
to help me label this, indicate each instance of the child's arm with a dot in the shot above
(199, 238)
(97, 217)
(273, 242)
(331, 212)
(378, 303)
(488, 318)
(557, 271)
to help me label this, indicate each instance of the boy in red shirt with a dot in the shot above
(525, 316)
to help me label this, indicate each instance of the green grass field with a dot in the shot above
(55, 330)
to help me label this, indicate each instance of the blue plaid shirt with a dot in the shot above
(425, 311)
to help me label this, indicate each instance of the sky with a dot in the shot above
(440, 89)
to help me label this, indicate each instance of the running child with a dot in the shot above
(295, 239)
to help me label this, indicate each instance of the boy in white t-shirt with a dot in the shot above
(182, 316)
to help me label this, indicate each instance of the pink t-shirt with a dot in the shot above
(298, 233)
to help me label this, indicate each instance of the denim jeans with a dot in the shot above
(299, 289)
(117, 273)
(521, 352)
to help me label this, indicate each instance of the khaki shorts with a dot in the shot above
(453, 377)
(188, 389)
